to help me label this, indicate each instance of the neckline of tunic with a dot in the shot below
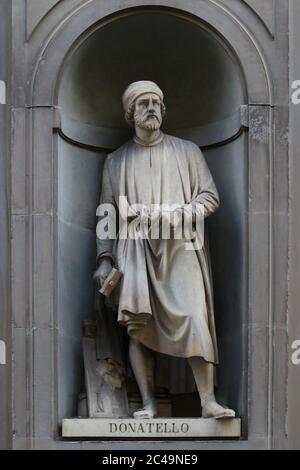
(151, 144)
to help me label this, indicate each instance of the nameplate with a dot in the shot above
(151, 428)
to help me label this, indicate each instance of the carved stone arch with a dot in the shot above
(42, 90)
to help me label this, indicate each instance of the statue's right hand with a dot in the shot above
(103, 271)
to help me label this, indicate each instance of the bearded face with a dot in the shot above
(147, 114)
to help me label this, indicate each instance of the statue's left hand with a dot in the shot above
(103, 271)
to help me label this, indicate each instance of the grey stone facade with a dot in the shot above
(40, 38)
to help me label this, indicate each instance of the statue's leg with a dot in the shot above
(204, 377)
(142, 363)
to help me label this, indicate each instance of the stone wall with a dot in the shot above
(43, 35)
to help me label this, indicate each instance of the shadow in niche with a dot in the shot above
(203, 88)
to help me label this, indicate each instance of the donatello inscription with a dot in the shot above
(149, 427)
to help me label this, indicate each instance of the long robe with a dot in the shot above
(165, 298)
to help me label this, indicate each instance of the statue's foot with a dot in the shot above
(147, 412)
(212, 409)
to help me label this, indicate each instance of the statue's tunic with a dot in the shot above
(165, 298)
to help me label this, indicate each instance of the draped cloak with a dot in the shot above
(165, 298)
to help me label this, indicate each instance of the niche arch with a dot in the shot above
(204, 94)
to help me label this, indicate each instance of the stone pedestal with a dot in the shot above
(151, 428)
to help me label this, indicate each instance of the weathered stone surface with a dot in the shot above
(36, 11)
(19, 168)
(292, 398)
(5, 293)
(105, 385)
(265, 10)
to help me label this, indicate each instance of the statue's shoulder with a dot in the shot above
(185, 145)
(117, 154)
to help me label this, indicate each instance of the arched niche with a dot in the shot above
(189, 61)
(204, 89)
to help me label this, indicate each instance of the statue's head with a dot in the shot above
(143, 105)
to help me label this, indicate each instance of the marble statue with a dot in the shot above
(164, 297)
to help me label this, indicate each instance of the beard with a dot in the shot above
(149, 123)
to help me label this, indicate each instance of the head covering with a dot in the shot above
(139, 88)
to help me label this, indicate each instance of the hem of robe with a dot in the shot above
(135, 331)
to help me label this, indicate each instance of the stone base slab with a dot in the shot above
(150, 428)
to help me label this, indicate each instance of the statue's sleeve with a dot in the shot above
(105, 244)
(204, 190)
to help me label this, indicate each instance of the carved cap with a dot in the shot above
(136, 89)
